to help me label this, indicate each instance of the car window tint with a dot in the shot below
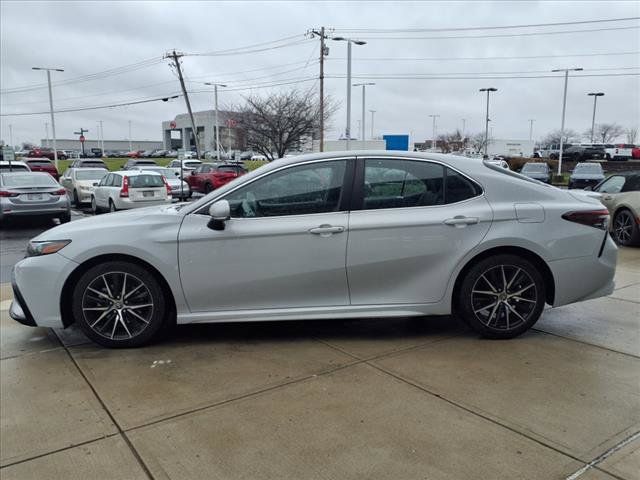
(632, 184)
(144, 181)
(613, 184)
(116, 181)
(300, 190)
(459, 187)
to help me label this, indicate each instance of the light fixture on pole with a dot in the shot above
(486, 123)
(349, 42)
(215, 101)
(433, 142)
(364, 86)
(53, 122)
(564, 109)
(595, 96)
(373, 112)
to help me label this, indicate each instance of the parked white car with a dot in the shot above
(188, 166)
(130, 189)
(14, 166)
(179, 188)
(78, 182)
(364, 234)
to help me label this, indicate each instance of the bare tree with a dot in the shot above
(632, 135)
(553, 138)
(607, 132)
(449, 142)
(277, 123)
(477, 141)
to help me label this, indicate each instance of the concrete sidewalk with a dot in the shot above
(376, 399)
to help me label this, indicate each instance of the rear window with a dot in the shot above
(19, 168)
(96, 174)
(231, 169)
(93, 164)
(40, 162)
(144, 162)
(588, 168)
(143, 181)
(28, 180)
(535, 167)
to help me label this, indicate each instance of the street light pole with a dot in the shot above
(531, 120)
(53, 121)
(349, 42)
(595, 96)
(102, 138)
(364, 86)
(486, 123)
(564, 109)
(373, 112)
(46, 130)
(215, 100)
(11, 136)
(130, 145)
(433, 142)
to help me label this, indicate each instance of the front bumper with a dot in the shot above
(19, 310)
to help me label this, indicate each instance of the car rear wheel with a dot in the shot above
(112, 206)
(207, 188)
(76, 199)
(119, 304)
(625, 229)
(501, 296)
(66, 218)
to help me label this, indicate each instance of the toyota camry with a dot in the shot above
(340, 235)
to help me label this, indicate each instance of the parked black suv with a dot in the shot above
(580, 153)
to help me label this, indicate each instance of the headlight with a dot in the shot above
(35, 249)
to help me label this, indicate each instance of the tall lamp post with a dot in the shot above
(595, 96)
(53, 122)
(364, 86)
(531, 120)
(433, 142)
(349, 41)
(486, 122)
(215, 100)
(564, 109)
(373, 112)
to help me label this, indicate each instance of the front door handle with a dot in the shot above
(461, 221)
(326, 230)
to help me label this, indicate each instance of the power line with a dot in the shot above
(408, 77)
(505, 35)
(245, 52)
(522, 57)
(254, 45)
(496, 27)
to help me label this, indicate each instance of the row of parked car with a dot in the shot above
(589, 151)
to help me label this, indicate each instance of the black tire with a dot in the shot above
(66, 218)
(112, 206)
(207, 188)
(553, 156)
(118, 327)
(624, 228)
(94, 206)
(494, 311)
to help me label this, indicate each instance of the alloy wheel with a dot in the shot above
(504, 297)
(623, 227)
(117, 305)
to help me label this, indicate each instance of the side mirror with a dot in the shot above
(220, 212)
(589, 188)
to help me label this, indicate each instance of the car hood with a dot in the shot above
(86, 183)
(114, 222)
(535, 174)
(587, 176)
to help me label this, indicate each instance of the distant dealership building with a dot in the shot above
(74, 144)
(178, 133)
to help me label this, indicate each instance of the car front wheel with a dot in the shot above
(94, 206)
(119, 304)
(501, 296)
(625, 229)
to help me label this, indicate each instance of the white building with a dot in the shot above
(178, 133)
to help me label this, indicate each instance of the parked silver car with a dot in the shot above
(33, 194)
(78, 182)
(335, 235)
(129, 189)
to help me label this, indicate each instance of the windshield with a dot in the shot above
(142, 181)
(588, 168)
(96, 174)
(39, 162)
(162, 171)
(28, 180)
(535, 167)
(21, 168)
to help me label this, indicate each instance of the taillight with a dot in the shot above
(166, 184)
(124, 191)
(592, 218)
(4, 193)
(62, 191)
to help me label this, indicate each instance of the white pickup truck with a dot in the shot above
(619, 151)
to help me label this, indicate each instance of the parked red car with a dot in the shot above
(135, 153)
(46, 153)
(635, 153)
(208, 176)
(42, 165)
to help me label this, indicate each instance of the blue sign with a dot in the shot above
(396, 142)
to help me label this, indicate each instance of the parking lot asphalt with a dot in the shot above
(375, 399)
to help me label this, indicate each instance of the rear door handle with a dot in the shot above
(461, 221)
(326, 230)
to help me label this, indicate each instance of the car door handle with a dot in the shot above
(461, 221)
(326, 230)
(607, 197)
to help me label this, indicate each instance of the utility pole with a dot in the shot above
(363, 85)
(373, 112)
(595, 96)
(215, 101)
(175, 56)
(101, 139)
(53, 122)
(434, 141)
(531, 120)
(130, 145)
(46, 130)
(564, 109)
(11, 135)
(486, 124)
(324, 50)
(81, 133)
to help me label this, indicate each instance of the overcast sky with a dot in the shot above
(90, 37)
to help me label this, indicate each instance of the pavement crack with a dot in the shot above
(603, 456)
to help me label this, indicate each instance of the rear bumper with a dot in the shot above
(126, 203)
(584, 278)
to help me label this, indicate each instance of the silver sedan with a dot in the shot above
(341, 235)
(32, 194)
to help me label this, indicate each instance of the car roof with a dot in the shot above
(25, 173)
(88, 169)
(132, 173)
